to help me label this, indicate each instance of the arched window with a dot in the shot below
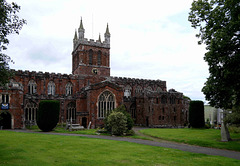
(99, 58)
(149, 89)
(32, 87)
(133, 111)
(159, 89)
(127, 91)
(69, 88)
(90, 57)
(71, 112)
(163, 99)
(138, 89)
(30, 113)
(51, 88)
(106, 103)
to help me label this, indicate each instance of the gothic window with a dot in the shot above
(5, 99)
(127, 91)
(90, 57)
(106, 103)
(32, 87)
(149, 89)
(138, 89)
(99, 58)
(69, 88)
(159, 89)
(30, 113)
(172, 100)
(133, 111)
(71, 112)
(51, 88)
(163, 99)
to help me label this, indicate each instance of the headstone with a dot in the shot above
(89, 125)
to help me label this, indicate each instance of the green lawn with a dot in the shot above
(201, 137)
(41, 149)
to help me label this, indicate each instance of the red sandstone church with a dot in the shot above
(89, 92)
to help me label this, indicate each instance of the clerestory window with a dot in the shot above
(51, 88)
(69, 88)
(32, 87)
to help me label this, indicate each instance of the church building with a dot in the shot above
(90, 92)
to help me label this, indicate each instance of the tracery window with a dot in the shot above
(32, 87)
(5, 99)
(106, 103)
(127, 91)
(99, 58)
(138, 89)
(71, 112)
(90, 57)
(31, 113)
(148, 89)
(69, 88)
(51, 88)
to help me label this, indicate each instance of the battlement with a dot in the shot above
(90, 42)
(44, 74)
(137, 80)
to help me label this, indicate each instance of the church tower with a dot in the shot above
(89, 57)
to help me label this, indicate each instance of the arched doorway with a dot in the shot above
(5, 120)
(84, 122)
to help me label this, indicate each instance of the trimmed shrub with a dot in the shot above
(130, 122)
(48, 114)
(117, 123)
(196, 114)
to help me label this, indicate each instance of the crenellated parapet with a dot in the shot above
(144, 83)
(27, 73)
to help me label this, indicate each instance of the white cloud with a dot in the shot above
(149, 39)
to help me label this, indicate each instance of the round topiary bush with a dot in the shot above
(48, 114)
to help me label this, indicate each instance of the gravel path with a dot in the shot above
(166, 144)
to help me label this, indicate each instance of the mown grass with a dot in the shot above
(42, 149)
(200, 137)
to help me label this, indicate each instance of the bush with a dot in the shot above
(48, 114)
(196, 114)
(117, 123)
(128, 116)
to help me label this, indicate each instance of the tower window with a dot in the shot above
(90, 57)
(99, 58)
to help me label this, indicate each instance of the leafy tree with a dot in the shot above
(9, 24)
(218, 22)
(48, 114)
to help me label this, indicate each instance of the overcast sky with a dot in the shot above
(150, 39)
